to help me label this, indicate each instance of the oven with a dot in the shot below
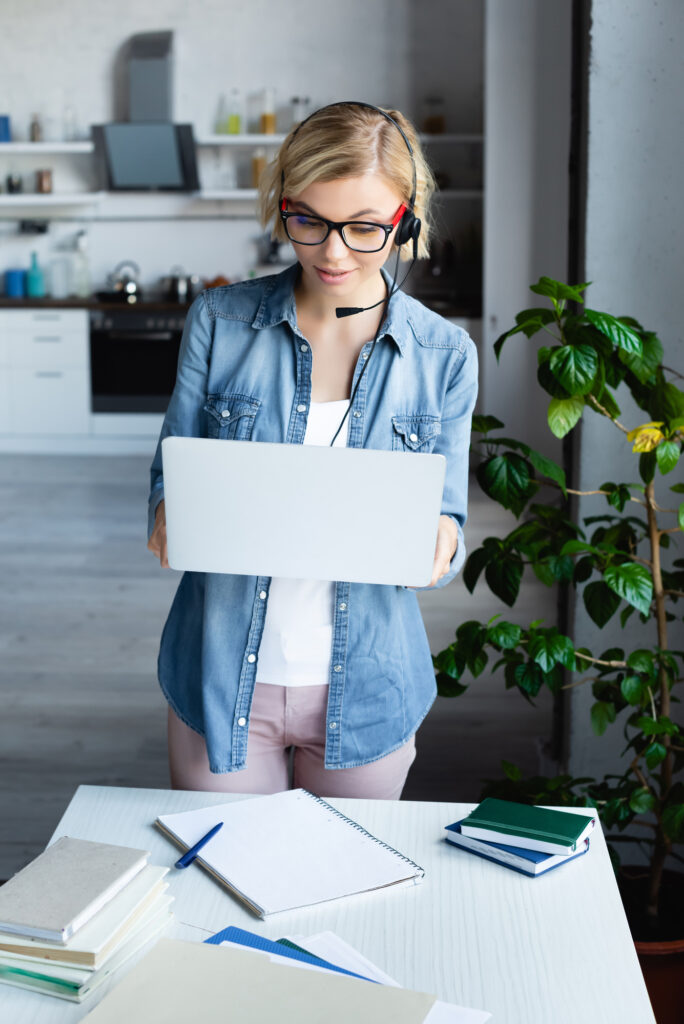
(133, 358)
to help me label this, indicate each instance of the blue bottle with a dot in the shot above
(35, 281)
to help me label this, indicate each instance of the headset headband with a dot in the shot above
(368, 106)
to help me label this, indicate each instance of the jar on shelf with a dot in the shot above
(300, 109)
(434, 120)
(267, 122)
(258, 165)
(236, 118)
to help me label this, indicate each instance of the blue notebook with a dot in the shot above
(249, 939)
(527, 862)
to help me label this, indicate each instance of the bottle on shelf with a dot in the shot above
(35, 280)
(236, 118)
(80, 276)
(267, 124)
(36, 129)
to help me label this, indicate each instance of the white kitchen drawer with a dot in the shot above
(49, 401)
(61, 321)
(47, 348)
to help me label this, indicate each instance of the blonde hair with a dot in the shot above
(347, 141)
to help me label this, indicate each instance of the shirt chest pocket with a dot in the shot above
(231, 417)
(415, 433)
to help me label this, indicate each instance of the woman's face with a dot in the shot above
(332, 268)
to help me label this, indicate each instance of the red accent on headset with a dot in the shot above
(283, 205)
(399, 214)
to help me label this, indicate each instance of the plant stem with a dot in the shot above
(597, 405)
(662, 843)
(597, 661)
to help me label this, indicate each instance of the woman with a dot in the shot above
(252, 666)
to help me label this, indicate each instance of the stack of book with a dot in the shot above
(76, 913)
(532, 840)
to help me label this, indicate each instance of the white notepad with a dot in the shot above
(289, 850)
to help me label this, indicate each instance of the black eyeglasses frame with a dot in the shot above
(339, 226)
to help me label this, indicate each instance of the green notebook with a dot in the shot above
(533, 828)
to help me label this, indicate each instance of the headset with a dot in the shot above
(408, 230)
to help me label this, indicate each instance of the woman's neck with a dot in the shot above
(321, 307)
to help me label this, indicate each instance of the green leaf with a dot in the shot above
(647, 466)
(666, 402)
(625, 614)
(644, 366)
(503, 578)
(529, 677)
(601, 602)
(641, 660)
(511, 771)
(632, 689)
(673, 822)
(557, 290)
(549, 383)
(562, 568)
(504, 634)
(549, 648)
(564, 413)
(574, 367)
(641, 801)
(667, 455)
(677, 488)
(506, 479)
(448, 687)
(633, 583)
(573, 547)
(655, 754)
(602, 713)
(680, 516)
(619, 333)
(483, 424)
(548, 467)
(474, 566)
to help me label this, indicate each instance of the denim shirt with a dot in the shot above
(244, 373)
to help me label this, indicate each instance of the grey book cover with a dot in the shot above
(54, 895)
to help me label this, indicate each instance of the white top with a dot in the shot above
(297, 640)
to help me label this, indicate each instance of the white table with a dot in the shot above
(550, 950)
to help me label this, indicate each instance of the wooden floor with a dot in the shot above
(82, 604)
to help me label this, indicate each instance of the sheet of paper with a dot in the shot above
(330, 946)
(178, 979)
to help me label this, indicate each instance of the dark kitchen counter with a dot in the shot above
(156, 305)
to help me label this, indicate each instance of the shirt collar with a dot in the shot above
(278, 305)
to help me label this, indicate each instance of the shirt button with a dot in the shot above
(333, 725)
(262, 595)
(242, 721)
(364, 355)
(413, 437)
(301, 408)
(251, 658)
(343, 607)
(303, 348)
(356, 414)
(338, 668)
(225, 413)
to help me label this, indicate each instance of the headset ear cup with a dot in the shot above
(405, 228)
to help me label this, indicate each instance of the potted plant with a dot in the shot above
(614, 559)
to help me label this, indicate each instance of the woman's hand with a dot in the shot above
(447, 542)
(157, 542)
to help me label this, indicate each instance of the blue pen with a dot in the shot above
(188, 857)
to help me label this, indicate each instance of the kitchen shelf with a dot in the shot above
(241, 141)
(51, 198)
(227, 193)
(46, 147)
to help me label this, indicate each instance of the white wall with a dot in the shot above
(52, 55)
(634, 257)
(527, 121)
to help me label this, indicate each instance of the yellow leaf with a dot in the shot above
(637, 430)
(647, 439)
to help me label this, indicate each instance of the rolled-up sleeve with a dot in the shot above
(185, 416)
(454, 443)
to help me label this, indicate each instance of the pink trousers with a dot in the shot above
(283, 717)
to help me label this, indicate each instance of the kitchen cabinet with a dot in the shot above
(45, 372)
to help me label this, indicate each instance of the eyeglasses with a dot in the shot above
(359, 235)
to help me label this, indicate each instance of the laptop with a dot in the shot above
(301, 511)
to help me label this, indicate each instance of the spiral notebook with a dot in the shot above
(289, 850)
